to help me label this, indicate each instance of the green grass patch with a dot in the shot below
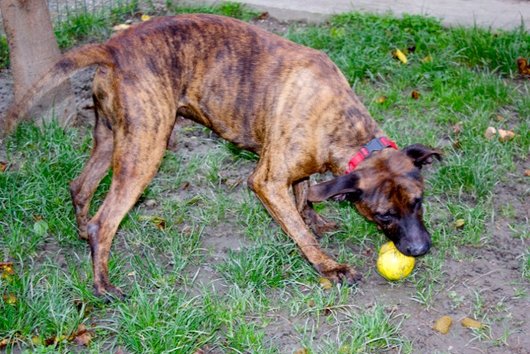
(4, 52)
(186, 295)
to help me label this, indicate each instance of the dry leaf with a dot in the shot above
(120, 27)
(10, 299)
(150, 203)
(301, 351)
(499, 118)
(470, 323)
(263, 16)
(325, 283)
(6, 270)
(400, 55)
(505, 135)
(311, 303)
(82, 336)
(83, 339)
(381, 99)
(459, 223)
(427, 59)
(490, 133)
(159, 222)
(523, 67)
(527, 172)
(3, 166)
(3, 343)
(145, 17)
(415, 94)
(443, 324)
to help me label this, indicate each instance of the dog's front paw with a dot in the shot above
(339, 273)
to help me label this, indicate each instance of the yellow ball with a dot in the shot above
(392, 264)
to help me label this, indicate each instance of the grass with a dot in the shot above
(204, 265)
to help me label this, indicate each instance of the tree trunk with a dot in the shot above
(32, 51)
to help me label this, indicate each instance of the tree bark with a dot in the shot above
(32, 51)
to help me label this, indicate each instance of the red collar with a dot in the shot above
(375, 144)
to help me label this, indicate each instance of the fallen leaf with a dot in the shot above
(427, 59)
(159, 222)
(120, 27)
(36, 340)
(83, 339)
(443, 324)
(49, 341)
(263, 16)
(459, 223)
(470, 323)
(490, 133)
(522, 66)
(381, 99)
(325, 283)
(505, 135)
(499, 118)
(145, 18)
(301, 351)
(3, 343)
(527, 172)
(6, 270)
(3, 166)
(415, 94)
(399, 55)
(150, 203)
(10, 299)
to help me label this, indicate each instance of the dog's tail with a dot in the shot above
(70, 62)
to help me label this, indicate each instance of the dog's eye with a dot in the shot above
(417, 203)
(385, 218)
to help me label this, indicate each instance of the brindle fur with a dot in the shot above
(288, 103)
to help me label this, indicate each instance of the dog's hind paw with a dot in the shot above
(109, 293)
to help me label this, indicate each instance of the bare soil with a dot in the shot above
(489, 276)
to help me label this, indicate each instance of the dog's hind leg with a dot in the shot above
(140, 140)
(317, 223)
(83, 187)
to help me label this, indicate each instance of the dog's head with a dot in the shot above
(387, 188)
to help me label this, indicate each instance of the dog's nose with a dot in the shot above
(418, 249)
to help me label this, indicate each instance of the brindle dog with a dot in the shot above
(288, 103)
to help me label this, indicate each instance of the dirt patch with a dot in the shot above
(483, 282)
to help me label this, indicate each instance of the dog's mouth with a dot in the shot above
(414, 249)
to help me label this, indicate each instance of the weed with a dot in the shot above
(4, 52)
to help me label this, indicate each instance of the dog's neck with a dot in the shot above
(358, 129)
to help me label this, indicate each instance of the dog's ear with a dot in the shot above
(340, 188)
(421, 154)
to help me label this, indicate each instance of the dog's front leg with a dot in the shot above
(273, 191)
(317, 223)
